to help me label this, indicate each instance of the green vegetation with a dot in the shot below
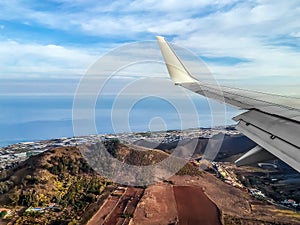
(127, 215)
(76, 195)
(61, 178)
(142, 158)
(2, 214)
(169, 182)
(112, 146)
(189, 169)
(230, 220)
(3, 174)
(64, 164)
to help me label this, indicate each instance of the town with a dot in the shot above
(12, 155)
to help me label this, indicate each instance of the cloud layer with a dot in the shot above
(237, 39)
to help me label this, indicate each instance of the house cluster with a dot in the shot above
(50, 207)
(257, 193)
(174, 135)
(12, 155)
(291, 203)
(228, 176)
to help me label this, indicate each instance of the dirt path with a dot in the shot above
(118, 209)
(125, 207)
(194, 207)
(104, 211)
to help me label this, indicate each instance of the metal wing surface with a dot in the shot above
(272, 121)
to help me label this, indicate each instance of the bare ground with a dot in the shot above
(118, 209)
(194, 207)
(104, 210)
(190, 200)
(237, 203)
(157, 206)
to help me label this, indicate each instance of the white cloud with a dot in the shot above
(176, 6)
(246, 32)
(240, 29)
(34, 60)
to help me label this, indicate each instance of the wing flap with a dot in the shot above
(255, 155)
(278, 147)
(279, 127)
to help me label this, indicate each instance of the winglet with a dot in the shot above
(177, 71)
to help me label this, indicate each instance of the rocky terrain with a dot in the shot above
(58, 186)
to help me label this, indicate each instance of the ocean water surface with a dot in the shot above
(31, 118)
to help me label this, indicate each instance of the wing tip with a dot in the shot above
(177, 71)
(160, 38)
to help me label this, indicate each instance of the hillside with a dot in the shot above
(231, 145)
(63, 178)
(60, 178)
(165, 165)
(59, 187)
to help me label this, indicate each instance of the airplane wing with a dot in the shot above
(272, 121)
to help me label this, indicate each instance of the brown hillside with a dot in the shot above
(60, 176)
(63, 177)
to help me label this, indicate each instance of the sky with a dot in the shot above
(254, 41)
(46, 47)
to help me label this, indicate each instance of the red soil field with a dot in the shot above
(194, 207)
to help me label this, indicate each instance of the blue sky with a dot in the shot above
(47, 46)
(241, 41)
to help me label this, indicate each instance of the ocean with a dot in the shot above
(32, 118)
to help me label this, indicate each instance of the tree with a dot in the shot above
(2, 214)
(3, 174)
(15, 196)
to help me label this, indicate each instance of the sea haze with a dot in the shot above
(30, 118)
